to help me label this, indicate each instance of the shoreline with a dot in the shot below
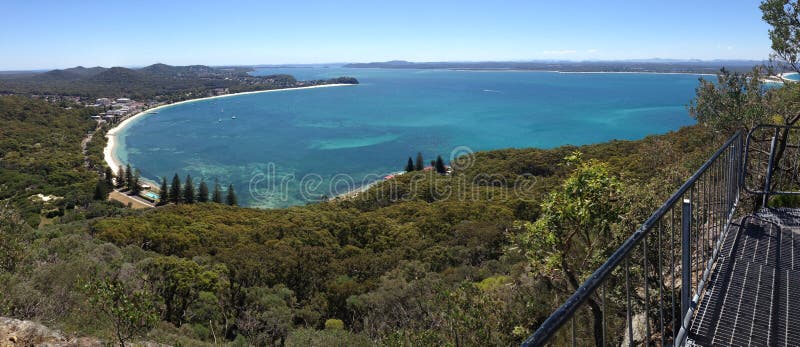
(109, 155)
(551, 71)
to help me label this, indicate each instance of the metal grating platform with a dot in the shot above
(753, 298)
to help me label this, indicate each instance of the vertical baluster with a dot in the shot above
(703, 228)
(686, 287)
(604, 313)
(628, 304)
(646, 293)
(660, 285)
(693, 197)
(672, 288)
(574, 342)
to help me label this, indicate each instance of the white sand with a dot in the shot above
(108, 152)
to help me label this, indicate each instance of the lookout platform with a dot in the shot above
(753, 297)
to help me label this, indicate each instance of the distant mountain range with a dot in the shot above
(643, 65)
(121, 73)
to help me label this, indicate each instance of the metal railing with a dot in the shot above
(772, 154)
(647, 290)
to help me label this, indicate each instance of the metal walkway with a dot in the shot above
(754, 293)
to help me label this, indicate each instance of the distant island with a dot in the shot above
(632, 66)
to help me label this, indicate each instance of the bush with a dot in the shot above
(311, 337)
(334, 324)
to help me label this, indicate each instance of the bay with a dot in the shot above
(330, 140)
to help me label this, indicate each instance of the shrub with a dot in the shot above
(334, 324)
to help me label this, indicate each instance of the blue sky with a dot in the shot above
(56, 34)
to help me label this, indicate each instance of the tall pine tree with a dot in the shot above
(109, 178)
(232, 196)
(128, 176)
(175, 190)
(410, 165)
(163, 194)
(188, 190)
(121, 177)
(202, 192)
(134, 184)
(439, 165)
(420, 164)
(100, 192)
(217, 196)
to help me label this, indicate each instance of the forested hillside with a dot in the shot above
(40, 153)
(160, 81)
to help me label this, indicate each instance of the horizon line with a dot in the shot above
(632, 60)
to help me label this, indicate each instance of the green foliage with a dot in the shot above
(39, 154)
(439, 165)
(572, 233)
(782, 15)
(179, 282)
(734, 101)
(334, 324)
(493, 283)
(134, 184)
(231, 198)
(188, 190)
(217, 195)
(420, 163)
(336, 338)
(267, 316)
(175, 190)
(131, 312)
(121, 175)
(163, 197)
(202, 192)
(11, 245)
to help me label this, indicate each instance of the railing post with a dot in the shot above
(765, 198)
(686, 262)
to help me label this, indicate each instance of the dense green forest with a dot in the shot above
(40, 153)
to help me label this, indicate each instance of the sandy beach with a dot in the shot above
(108, 152)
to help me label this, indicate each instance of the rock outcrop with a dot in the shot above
(15, 332)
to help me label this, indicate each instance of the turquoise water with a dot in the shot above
(367, 131)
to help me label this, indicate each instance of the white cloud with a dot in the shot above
(561, 52)
(593, 50)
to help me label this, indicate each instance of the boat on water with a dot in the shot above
(233, 117)
(219, 120)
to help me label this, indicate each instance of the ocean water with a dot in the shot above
(290, 147)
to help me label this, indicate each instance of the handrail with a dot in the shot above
(766, 189)
(567, 311)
